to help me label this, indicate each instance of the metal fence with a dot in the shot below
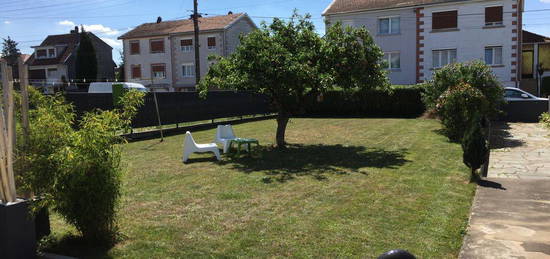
(179, 107)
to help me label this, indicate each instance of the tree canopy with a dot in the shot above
(288, 60)
(86, 60)
(10, 52)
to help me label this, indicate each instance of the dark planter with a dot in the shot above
(17, 231)
(42, 223)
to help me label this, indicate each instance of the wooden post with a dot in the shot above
(195, 17)
(6, 136)
(24, 83)
(158, 116)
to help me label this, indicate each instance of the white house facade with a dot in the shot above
(420, 36)
(161, 55)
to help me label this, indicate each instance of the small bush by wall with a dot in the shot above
(401, 101)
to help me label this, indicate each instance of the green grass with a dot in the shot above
(344, 188)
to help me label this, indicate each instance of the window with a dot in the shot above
(41, 53)
(158, 71)
(188, 70)
(52, 72)
(136, 71)
(444, 57)
(516, 94)
(389, 25)
(444, 20)
(393, 60)
(186, 45)
(493, 55)
(157, 46)
(211, 42)
(544, 54)
(134, 47)
(493, 16)
(51, 53)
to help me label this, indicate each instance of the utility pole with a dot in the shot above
(195, 17)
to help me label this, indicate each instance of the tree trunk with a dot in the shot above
(282, 121)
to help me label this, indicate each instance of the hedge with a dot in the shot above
(399, 102)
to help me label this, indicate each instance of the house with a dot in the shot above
(54, 59)
(161, 54)
(419, 36)
(535, 52)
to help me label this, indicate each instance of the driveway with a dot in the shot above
(510, 215)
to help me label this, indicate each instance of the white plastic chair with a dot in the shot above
(224, 135)
(190, 146)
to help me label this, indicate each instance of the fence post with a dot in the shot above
(158, 116)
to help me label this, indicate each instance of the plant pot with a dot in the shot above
(17, 231)
(42, 223)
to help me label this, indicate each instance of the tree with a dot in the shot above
(287, 61)
(474, 146)
(86, 60)
(10, 52)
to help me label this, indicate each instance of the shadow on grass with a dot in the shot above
(501, 137)
(316, 161)
(74, 246)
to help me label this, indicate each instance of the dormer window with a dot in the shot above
(41, 53)
(51, 53)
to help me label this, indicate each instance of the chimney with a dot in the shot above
(159, 19)
(230, 13)
(75, 31)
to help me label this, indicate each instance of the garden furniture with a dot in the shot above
(224, 135)
(190, 146)
(244, 141)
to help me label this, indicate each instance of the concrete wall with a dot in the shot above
(145, 58)
(471, 38)
(404, 42)
(180, 58)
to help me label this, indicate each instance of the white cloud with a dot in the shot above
(66, 23)
(95, 28)
(112, 42)
(7, 22)
(99, 28)
(545, 1)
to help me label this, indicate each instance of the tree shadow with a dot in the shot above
(501, 137)
(316, 161)
(490, 184)
(74, 246)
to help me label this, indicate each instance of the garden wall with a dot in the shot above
(179, 107)
(400, 102)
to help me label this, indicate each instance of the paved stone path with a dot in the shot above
(520, 151)
(511, 212)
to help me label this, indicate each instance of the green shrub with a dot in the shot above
(75, 166)
(474, 146)
(545, 119)
(476, 73)
(457, 106)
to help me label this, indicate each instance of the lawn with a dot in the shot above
(343, 188)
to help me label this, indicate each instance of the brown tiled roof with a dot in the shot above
(529, 37)
(181, 26)
(70, 39)
(344, 6)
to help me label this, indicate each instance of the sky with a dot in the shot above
(29, 21)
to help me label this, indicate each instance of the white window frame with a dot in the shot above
(187, 48)
(54, 53)
(494, 55)
(388, 57)
(154, 75)
(184, 71)
(489, 24)
(390, 31)
(448, 52)
(211, 47)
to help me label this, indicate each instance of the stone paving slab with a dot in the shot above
(520, 151)
(510, 219)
